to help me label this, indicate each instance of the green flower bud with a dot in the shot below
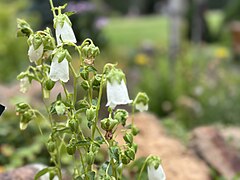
(85, 85)
(71, 149)
(108, 124)
(135, 147)
(37, 41)
(51, 146)
(26, 117)
(48, 84)
(125, 159)
(22, 107)
(97, 81)
(130, 153)
(24, 28)
(121, 115)
(91, 114)
(73, 124)
(128, 137)
(84, 73)
(135, 130)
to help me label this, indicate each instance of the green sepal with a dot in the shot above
(91, 113)
(85, 85)
(130, 153)
(128, 138)
(23, 28)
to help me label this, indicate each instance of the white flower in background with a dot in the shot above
(59, 70)
(156, 174)
(24, 84)
(117, 92)
(141, 102)
(35, 54)
(64, 31)
(141, 107)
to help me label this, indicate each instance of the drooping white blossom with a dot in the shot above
(35, 54)
(141, 102)
(64, 31)
(156, 174)
(59, 70)
(141, 106)
(24, 84)
(117, 93)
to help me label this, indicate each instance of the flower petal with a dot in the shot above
(59, 71)
(117, 94)
(35, 54)
(65, 33)
(156, 174)
(141, 107)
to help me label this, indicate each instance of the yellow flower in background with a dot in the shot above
(141, 59)
(222, 53)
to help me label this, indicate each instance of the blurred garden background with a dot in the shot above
(185, 54)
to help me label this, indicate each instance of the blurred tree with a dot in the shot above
(197, 27)
(232, 11)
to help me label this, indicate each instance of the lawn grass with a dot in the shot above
(130, 32)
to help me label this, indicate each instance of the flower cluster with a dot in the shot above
(50, 62)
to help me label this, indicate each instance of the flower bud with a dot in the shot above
(125, 159)
(135, 130)
(49, 84)
(71, 149)
(51, 146)
(130, 153)
(91, 114)
(97, 81)
(84, 73)
(121, 115)
(85, 85)
(24, 28)
(108, 124)
(73, 124)
(128, 137)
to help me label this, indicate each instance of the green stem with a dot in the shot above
(133, 111)
(52, 8)
(75, 78)
(144, 165)
(98, 108)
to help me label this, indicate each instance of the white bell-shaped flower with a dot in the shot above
(64, 31)
(156, 174)
(35, 54)
(59, 70)
(141, 106)
(141, 102)
(117, 93)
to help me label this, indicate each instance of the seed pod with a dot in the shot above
(71, 149)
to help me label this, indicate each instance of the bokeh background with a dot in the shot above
(185, 54)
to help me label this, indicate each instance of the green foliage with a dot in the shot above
(18, 148)
(196, 90)
(12, 54)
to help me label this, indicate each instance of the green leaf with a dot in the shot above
(43, 171)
